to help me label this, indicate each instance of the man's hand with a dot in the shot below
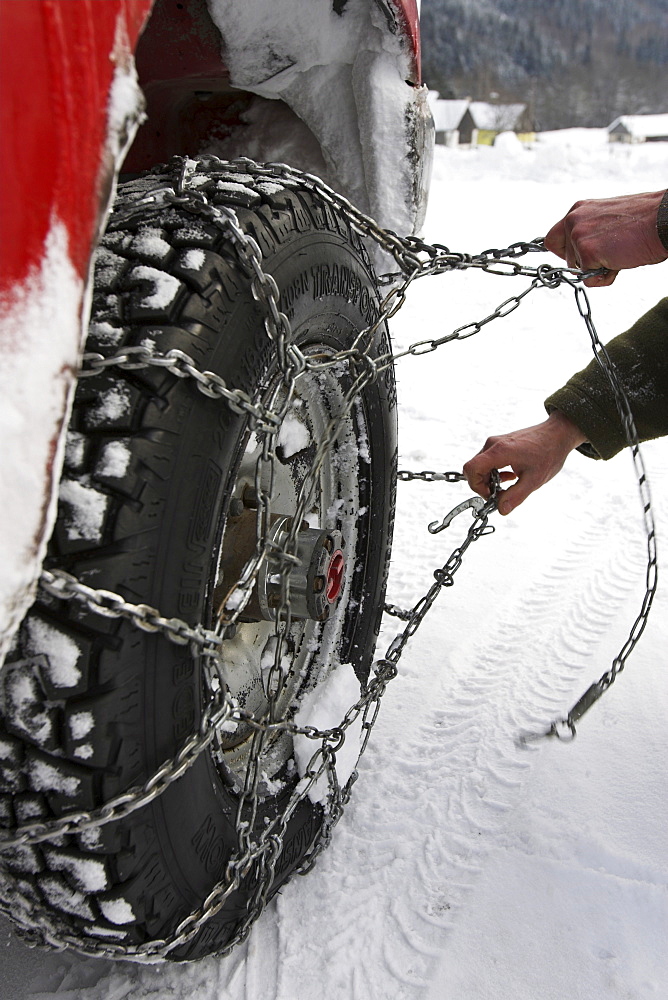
(534, 454)
(615, 233)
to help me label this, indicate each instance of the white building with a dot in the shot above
(639, 128)
(472, 122)
(447, 116)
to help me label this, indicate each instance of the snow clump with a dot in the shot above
(111, 406)
(87, 508)
(293, 436)
(194, 259)
(46, 778)
(81, 724)
(117, 911)
(165, 286)
(324, 708)
(62, 652)
(114, 460)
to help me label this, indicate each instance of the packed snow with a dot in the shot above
(33, 395)
(363, 136)
(21, 701)
(81, 723)
(60, 895)
(117, 911)
(61, 663)
(89, 875)
(293, 435)
(324, 708)
(46, 778)
(465, 868)
(150, 243)
(85, 509)
(114, 460)
(112, 404)
(193, 259)
(164, 290)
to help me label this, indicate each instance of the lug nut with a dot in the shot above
(236, 507)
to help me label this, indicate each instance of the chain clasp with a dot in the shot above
(474, 503)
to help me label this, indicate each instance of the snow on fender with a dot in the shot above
(61, 161)
(377, 136)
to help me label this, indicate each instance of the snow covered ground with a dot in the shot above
(464, 868)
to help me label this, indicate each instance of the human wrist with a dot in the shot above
(568, 432)
(662, 221)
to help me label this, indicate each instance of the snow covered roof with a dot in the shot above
(447, 114)
(496, 117)
(641, 126)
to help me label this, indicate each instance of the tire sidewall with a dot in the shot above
(329, 297)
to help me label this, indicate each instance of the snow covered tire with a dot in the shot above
(93, 706)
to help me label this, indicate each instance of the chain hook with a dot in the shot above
(478, 505)
(473, 503)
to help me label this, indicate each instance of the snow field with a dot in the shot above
(465, 868)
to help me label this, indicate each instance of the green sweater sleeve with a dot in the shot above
(640, 357)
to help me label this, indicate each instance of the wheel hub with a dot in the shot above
(315, 580)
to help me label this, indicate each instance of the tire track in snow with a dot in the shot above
(435, 789)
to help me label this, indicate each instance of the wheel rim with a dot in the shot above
(311, 647)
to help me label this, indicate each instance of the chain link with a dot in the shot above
(406, 476)
(564, 728)
(182, 366)
(63, 586)
(415, 259)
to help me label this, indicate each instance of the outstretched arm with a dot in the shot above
(535, 454)
(614, 233)
(584, 415)
(611, 233)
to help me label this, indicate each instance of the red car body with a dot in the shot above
(68, 115)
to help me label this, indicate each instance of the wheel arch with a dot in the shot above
(331, 97)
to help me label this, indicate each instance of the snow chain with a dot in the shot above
(414, 259)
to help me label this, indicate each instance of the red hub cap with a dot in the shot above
(334, 576)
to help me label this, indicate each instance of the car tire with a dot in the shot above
(155, 474)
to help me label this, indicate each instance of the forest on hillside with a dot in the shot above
(573, 62)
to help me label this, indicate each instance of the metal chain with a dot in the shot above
(268, 846)
(564, 728)
(444, 577)
(215, 713)
(406, 476)
(182, 365)
(415, 259)
(64, 586)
